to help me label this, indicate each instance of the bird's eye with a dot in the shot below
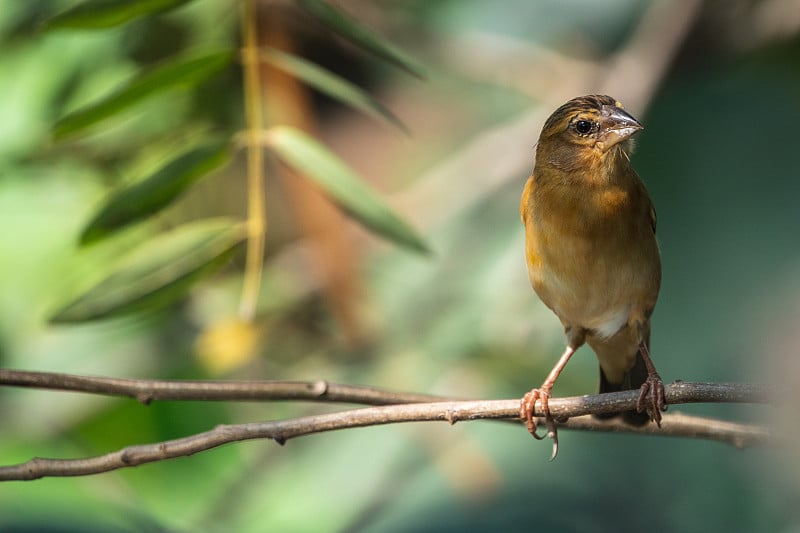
(583, 127)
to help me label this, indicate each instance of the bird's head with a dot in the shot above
(584, 130)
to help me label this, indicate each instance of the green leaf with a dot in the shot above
(354, 31)
(159, 272)
(97, 14)
(176, 73)
(331, 84)
(342, 184)
(155, 192)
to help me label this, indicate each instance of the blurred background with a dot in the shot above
(717, 86)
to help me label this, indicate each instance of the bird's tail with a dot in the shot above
(632, 380)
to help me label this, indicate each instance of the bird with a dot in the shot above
(591, 252)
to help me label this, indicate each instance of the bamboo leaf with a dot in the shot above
(183, 72)
(331, 84)
(155, 192)
(354, 31)
(158, 273)
(342, 184)
(97, 14)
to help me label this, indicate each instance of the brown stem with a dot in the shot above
(740, 435)
(147, 390)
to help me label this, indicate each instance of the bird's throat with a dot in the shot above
(584, 167)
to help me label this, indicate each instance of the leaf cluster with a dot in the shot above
(162, 269)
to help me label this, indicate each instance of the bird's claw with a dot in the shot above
(527, 406)
(651, 398)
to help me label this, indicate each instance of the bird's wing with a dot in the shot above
(523, 204)
(653, 218)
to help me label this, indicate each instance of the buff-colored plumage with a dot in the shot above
(590, 245)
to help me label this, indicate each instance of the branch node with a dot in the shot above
(451, 417)
(280, 440)
(320, 388)
(144, 398)
(126, 457)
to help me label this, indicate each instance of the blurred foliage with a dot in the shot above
(155, 192)
(179, 73)
(108, 13)
(300, 151)
(158, 272)
(717, 155)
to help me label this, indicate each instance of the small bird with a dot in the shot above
(591, 251)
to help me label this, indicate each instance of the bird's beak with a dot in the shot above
(616, 126)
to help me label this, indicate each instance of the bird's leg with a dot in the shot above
(528, 403)
(651, 397)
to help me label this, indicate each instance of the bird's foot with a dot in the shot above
(651, 398)
(527, 407)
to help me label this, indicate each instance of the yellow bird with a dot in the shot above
(591, 251)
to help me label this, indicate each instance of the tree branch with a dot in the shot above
(148, 390)
(404, 408)
(682, 425)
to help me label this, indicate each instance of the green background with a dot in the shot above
(718, 155)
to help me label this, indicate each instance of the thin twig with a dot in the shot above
(740, 435)
(736, 434)
(682, 425)
(149, 390)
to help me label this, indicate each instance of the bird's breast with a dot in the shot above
(591, 254)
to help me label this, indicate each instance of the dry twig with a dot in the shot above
(403, 407)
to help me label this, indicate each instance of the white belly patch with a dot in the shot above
(612, 322)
